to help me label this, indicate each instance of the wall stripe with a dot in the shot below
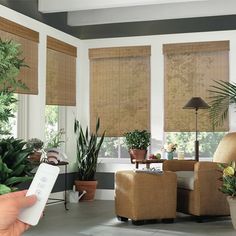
(184, 25)
(105, 181)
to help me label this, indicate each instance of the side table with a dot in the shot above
(55, 200)
(147, 162)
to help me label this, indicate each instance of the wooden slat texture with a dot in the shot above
(134, 51)
(60, 46)
(120, 93)
(61, 79)
(28, 75)
(19, 30)
(191, 75)
(212, 46)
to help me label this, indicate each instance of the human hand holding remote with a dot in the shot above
(11, 205)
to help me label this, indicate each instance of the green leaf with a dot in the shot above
(15, 180)
(4, 189)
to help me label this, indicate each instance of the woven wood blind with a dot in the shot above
(190, 69)
(120, 89)
(61, 73)
(28, 39)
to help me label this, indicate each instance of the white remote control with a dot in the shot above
(41, 186)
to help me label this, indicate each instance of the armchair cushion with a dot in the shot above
(185, 179)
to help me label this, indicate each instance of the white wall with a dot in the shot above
(34, 106)
(35, 115)
(157, 81)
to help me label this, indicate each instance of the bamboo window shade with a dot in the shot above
(61, 73)
(28, 40)
(120, 89)
(189, 70)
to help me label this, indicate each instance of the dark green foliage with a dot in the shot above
(223, 95)
(15, 167)
(10, 64)
(88, 147)
(6, 110)
(137, 139)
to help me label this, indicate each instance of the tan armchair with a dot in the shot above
(198, 182)
(204, 199)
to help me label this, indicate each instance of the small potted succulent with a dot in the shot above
(137, 142)
(36, 145)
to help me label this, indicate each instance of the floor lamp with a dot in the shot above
(196, 103)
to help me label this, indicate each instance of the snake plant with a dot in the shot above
(88, 147)
(222, 95)
(15, 167)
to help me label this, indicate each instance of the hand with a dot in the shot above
(10, 205)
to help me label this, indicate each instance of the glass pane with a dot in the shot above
(208, 142)
(51, 121)
(124, 153)
(109, 147)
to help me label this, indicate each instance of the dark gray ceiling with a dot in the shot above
(59, 21)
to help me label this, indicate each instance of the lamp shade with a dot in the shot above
(196, 103)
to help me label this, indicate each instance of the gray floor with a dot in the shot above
(98, 218)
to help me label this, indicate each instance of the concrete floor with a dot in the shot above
(98, 218)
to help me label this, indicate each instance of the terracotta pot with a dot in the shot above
(232, 207)
(89, 187)
(137, 154)
(36, 156)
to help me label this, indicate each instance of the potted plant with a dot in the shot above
(137, 142)
(15, 166)
(229, 187)
(36, 145)
(170, 148)
(88, 147)
(54, 154)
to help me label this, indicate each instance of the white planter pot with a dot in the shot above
(232, 207)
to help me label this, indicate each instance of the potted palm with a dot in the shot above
(137, 142)
(222, 94)
(88, 147)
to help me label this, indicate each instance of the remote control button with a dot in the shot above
(40, 185)
(37, 192)
(44, 179)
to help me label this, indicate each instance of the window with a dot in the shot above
(117, 75)
(208, 142)
(113, 147)
(51, 121)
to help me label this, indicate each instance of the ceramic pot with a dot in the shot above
(232, 208)
(170, 155)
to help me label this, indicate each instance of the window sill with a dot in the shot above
(114, 160)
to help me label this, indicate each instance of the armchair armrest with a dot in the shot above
(206, 187)
(179, 165)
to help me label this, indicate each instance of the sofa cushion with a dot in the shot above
(185, 179)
